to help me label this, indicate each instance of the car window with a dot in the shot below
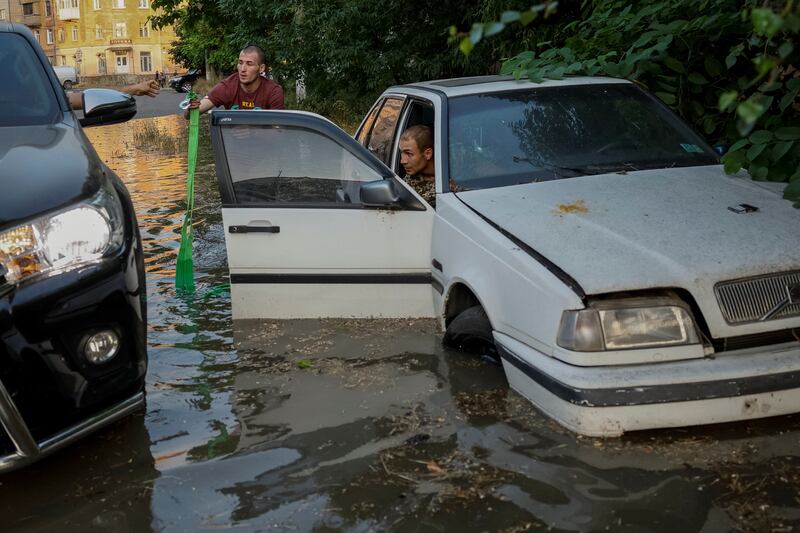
(364, 133)
(380, 141)
(26, 95)
(550, 133)
(418, 113)
(303, 166)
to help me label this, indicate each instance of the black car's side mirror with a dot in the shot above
(379, 193)
(106, 106)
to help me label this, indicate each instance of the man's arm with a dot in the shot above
(146, 88)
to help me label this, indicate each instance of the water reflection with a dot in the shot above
(359, 425)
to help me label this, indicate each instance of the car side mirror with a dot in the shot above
(379, 193)
(106, 106)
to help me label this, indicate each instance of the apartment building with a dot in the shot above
(98, 37)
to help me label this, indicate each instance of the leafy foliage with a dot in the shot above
(729, 67)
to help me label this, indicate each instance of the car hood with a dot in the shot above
(647, 229)
(43, 168)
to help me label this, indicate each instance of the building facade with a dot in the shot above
(97, 37)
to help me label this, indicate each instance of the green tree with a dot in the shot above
(729, 67)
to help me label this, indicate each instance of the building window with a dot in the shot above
(74, 33)
(61, 35)
(144, 4)
(146, 62)
(119, 4)
(120, 29)
(62, 60)
(98, 31)
(101, 65)
(144, 30)
(27, 9)
(48, 9)
(49, 36)
(37, 36)
(96, 5)
(3, 15)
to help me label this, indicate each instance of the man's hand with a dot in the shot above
(204, 104)
(146, 88)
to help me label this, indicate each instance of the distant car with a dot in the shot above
(581, 231)
(67, 76)
(183, 83)
(72, 291)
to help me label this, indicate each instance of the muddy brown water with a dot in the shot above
(357, 425)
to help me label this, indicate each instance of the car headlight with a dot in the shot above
(62, 241)
(627, 324)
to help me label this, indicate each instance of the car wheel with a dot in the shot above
(186, 87)
(67, 85)
(471, 331)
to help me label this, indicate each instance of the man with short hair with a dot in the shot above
(416, 157)
(247, 88)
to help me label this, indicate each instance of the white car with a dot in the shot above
(67, 76)
(581, 230)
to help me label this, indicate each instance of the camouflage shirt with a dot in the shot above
(425, 187)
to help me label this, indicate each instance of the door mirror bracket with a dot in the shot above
(379, 193)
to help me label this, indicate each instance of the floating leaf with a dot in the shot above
(304, 363)
(785, 49)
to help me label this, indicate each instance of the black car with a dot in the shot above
(184, 82)
(73, 354)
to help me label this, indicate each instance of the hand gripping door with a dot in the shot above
(301, 242)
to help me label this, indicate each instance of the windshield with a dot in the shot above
(26, 95)
(540, 134)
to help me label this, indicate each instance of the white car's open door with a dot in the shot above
(306, 237)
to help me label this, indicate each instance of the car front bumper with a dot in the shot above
(50, 394)
(611, 400)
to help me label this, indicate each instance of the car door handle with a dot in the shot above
(254, 229)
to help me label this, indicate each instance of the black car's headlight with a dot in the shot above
(628, 323)
(79, 235)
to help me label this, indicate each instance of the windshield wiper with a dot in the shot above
(559, 170)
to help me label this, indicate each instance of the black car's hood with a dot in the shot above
(43, 168)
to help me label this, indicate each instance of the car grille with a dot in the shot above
(753, 299)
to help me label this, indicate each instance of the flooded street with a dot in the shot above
(358, 425)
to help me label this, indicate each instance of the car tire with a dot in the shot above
(67, 85)
(470, 331)
(186, 87)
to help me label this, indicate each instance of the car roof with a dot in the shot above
(13, 27)
(484, 84)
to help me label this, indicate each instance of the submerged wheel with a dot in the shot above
(186, 87)
(470, 331)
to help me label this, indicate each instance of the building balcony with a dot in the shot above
(32, 21)
(69, 13)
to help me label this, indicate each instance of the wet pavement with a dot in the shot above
(357, 425)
